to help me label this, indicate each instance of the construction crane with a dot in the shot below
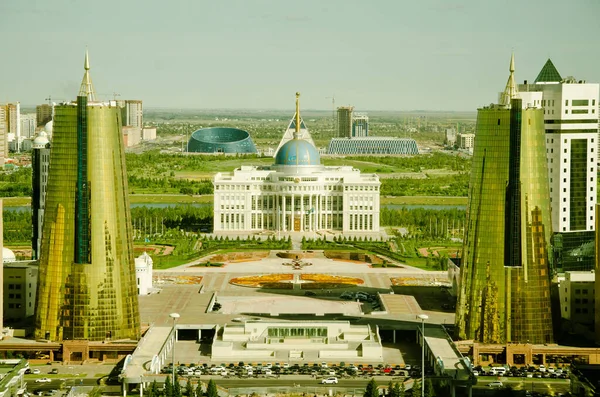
(333, 119)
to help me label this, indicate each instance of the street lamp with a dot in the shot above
(423, 317)
(174, 316)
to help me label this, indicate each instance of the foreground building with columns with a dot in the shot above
(296, 194)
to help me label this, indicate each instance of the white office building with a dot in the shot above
(571, 123)
(297, 193)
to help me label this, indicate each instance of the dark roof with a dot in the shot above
(548, 74)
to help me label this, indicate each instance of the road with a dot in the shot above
(544, 385)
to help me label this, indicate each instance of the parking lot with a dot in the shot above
(321, 370)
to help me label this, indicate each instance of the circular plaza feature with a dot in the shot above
(220, 140)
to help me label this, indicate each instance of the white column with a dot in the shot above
(302, 212)
(312, 213)
(283, 213)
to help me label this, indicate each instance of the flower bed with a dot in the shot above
(262, 280)
(327, 278)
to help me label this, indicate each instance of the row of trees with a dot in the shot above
(447, 185)
(431, 161)
(173, 389)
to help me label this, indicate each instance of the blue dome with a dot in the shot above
(297, 152)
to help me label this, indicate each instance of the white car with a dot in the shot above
(331, 380)
(43, 380)
(286, 365)
(407, 367)
(542, 368)
(248, 367)
(323, 364)
(495, 384)
(36, 371)
(269, 365)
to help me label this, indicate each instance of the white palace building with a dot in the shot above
(297, 193)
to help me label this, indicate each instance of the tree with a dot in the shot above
(399, 387)
(371, 390)
(211, 389)
(168, 387)
(429, 391)
(176, 387)
(198, 392)
(153, 390)
(390, 390)
(416, 389)
(189, 389)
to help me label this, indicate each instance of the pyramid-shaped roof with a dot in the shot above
(288, 135)
(548, 74)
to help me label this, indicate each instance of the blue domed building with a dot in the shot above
(297, 193)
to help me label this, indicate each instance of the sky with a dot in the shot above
(398, 55)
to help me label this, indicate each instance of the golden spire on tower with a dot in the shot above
(87, 89)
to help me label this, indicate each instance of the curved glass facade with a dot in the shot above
(221, 140)
(504, 293)
(87, 287)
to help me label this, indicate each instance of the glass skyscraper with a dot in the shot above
(87, 287)
(504, 292)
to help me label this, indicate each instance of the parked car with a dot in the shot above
(43, 380)
(330, 380)
(495, 384)
(54, 371)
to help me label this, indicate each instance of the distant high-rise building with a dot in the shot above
(504, 293)
(40, 164)
(571, 124)
(450, 139)
(3, 135)
(43, 113)
(1, 264)
(28, 125)
(344, 121)
(87, 287)
(12, 124)
(360, 125)
(133, 113)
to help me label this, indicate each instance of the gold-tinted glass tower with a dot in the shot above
(504, 293)
(86, 287)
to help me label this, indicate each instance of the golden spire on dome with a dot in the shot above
(297, 130)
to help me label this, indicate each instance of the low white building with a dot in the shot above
(20, 285)
(297, 193)
(149, 133)
(325, 340)
(576, 293)
(143, 274)
(132, 136)
(466, 141)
